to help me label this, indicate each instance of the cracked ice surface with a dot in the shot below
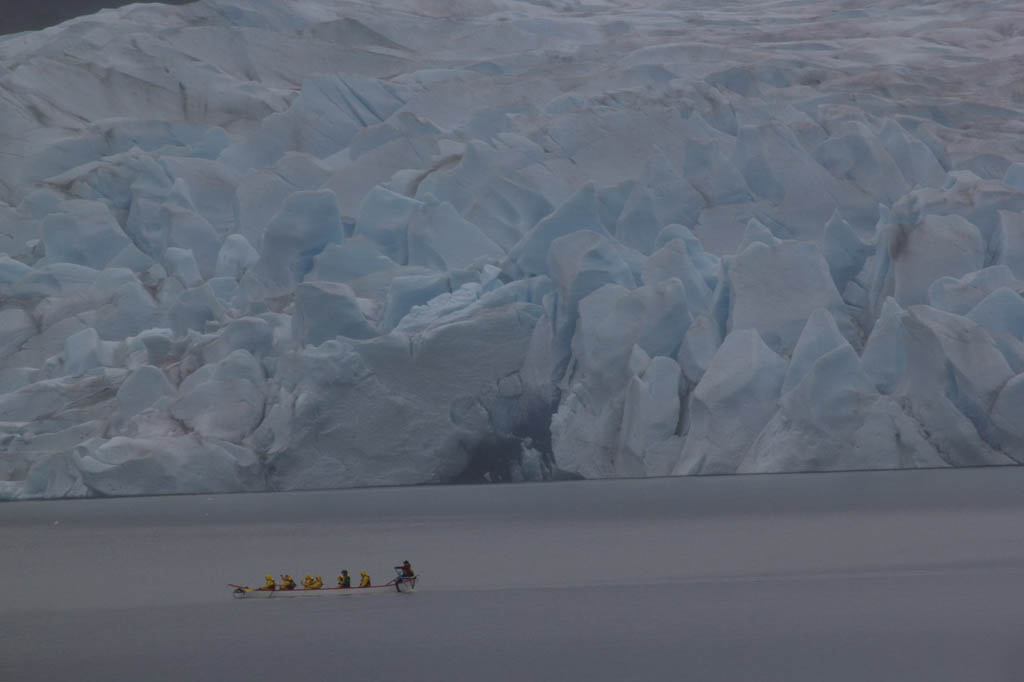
(263, 245)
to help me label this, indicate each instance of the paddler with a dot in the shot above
(269, 585)
(344, 580)
(307, 582)
(365, 580)
(406, 569)
(287, 583)
(317, 583)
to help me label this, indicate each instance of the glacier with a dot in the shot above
(273, 246)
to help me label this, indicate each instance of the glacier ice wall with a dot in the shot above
(264, 246)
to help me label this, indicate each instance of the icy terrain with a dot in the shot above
(260, 245)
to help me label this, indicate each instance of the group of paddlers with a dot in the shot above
(344, 579)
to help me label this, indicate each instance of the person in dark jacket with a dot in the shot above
(344, 580)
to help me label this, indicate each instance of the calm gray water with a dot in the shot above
(861, 576)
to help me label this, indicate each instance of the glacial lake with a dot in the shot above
(909, 575)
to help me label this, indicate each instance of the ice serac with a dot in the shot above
(578, 213)
(260, 336)
(194, 308)
(735, 398)
(579, 263)
(384, 218)
(235, 257)
(181, 263)
(650, 420)
(946, 372)
(776, 168)
(844, 251)
(960, 295)
(185, 228)
(1014, 176)
(380, 153)
(1008, 416)
(1001, 312)
(762, 279)
(1008, 242)
(834, 420)
(975, 369)
(707, 264)
(83, 351)
(617, 334)
(698, 348)
(883, 359)
(325, 310)
(140, 391)
(305, 225)
(857, 155)
(353, 259)
(395, 409)
(442, 239)
(408, 291)
(12, 270)
(329, 111)
(964, 194)
(223, 400)
(504, 207)
(16, 327)
(819, 337)
(916, 161)
(175, 464)
(674, 260)
(83, 232)
(260, 192)
(661, 198)
(707, 166)
(831, 415)
(938, 246)
(757, 232)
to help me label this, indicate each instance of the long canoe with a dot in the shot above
(403, 585)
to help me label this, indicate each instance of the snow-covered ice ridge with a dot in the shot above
(254, 244)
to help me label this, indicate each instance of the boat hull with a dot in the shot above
(403, 585)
